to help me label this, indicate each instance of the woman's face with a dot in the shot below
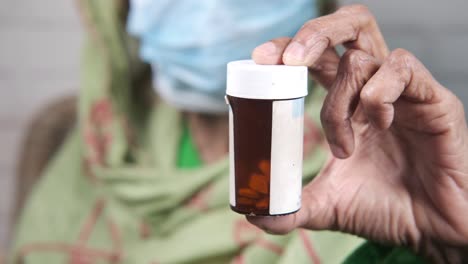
(189, 42)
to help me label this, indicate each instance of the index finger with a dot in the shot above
(354, 26)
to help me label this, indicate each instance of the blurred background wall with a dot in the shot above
(39, 58)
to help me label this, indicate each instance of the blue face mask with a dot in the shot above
(189, 42)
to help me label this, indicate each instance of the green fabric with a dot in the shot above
(373, 253)
(125, 187)
(188, 154)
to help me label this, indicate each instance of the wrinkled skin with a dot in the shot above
(399, 172)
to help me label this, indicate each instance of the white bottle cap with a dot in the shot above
(245, 79)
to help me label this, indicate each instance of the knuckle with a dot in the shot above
(354, 58)
(358, 63)
(314, 24)
(360, 16)
(400, 52)
(357, 9)
(312, 30)
(360, 8)
(401, 57)
(309, 24)
(369, 98)
(402, 62)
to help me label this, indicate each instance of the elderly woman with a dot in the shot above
(143, 178)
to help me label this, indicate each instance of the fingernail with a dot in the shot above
(267, 48)
(295, 51)
(338, 151)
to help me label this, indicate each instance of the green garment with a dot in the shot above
(122, 190)
(372, 253)
(188, 155)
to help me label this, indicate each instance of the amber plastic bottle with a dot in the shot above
(266, 134)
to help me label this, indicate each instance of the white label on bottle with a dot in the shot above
(232, 173)
(286, 156)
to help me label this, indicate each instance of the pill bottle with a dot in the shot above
(266, 122)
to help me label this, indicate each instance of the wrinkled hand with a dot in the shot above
(399, 170)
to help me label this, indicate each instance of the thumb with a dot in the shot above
(317, 211)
